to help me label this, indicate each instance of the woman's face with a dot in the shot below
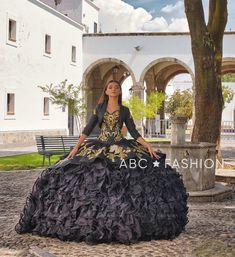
(113, 89)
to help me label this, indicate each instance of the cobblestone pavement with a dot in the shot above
(210, 231)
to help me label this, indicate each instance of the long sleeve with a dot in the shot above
(131, 125)
(91, 123)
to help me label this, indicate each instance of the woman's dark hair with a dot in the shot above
(104, 98)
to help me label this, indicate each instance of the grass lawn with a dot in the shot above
(24, 161)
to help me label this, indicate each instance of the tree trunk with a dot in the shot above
(71, 124)
(71, 117)
(207, 49)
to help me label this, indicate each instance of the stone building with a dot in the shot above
(43, 43)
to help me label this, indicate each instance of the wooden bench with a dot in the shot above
(56, 145)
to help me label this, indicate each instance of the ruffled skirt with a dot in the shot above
(107, 193)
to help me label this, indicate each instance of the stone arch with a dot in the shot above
(168, 65)
(97, 74)
(159, 72)
(102, 61)
(228, 65)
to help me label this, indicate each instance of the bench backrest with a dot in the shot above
(50, 143)
(62, 144)
(69, 142)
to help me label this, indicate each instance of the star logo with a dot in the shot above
(156, 163)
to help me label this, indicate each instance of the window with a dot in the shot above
(12, 30)
(10, 104)
(46, 106)
(47, 44)
(73, 59)
(95, 27)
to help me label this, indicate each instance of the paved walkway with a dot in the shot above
(17, 150)
(223, 172)
(210, 231)
(227, 148)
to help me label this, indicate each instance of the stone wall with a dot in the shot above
(26, 137)
(196, 163)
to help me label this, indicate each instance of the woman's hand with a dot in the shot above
(152, 151)
(73, 152)
(148, 146)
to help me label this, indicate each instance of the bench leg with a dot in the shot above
(44, 158)
(43, 161)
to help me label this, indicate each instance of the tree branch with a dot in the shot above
(212, 5)
(197, 27)
(219, 18)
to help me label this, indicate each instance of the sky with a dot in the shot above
(150, 15)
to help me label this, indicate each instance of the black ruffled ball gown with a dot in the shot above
(112, 190)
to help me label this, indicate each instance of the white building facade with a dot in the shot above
(38, 46)
(81, 11)
(151, 59)
(43, 43)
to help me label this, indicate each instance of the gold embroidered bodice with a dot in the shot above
(110, 128)
(111, 133)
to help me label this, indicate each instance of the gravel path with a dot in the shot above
(210, 231)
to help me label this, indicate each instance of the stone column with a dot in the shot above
(138, 90)
(178, 130)
(150, 87)
(234, 118)
(93, 88)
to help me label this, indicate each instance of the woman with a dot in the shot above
(108, 189)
